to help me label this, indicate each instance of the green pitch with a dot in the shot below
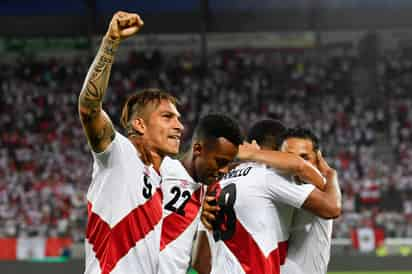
(387, 272)
(352, 272)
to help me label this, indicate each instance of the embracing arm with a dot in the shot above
(283, 162)
(327, 204)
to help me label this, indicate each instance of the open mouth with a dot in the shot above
(175, 138)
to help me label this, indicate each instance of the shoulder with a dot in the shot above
(126, 151)
(274, 174)
(245, 169)
(172, 169)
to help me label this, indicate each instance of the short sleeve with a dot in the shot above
(116, 151)
(282, 190)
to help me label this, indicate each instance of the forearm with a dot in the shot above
(325, 204)
(96, 123)
(97, 79)
(332, 189)
(289, 164)
(308, 173)
(201, 257)
(281, 161)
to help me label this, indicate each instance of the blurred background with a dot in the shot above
(340, 67)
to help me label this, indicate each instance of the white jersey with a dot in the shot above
(254, 220)
(124, 212)
(182, 198)
(309, 244)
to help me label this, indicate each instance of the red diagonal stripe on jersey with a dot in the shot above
(283, 251)
(110, 245)
(250, 256)
(175, 224)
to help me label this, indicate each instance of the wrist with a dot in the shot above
(330, 172)
(110, 45)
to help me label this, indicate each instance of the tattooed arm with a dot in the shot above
(96, 123)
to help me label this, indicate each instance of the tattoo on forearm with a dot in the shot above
(97, 80)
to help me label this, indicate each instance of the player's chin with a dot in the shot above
(172, 150)
(171, 146)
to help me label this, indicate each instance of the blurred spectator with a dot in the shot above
(45, 165)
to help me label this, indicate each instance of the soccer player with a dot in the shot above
(284, 162)
(255, 213)
(310, 237)
(124, 197)
(214, 144)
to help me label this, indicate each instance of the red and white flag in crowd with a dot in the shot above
(32, 248)
(367, 239)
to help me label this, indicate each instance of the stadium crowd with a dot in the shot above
(45, 165)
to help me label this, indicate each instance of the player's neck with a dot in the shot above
(145, 153)
(156, 160)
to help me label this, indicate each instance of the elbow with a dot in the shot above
(87, 114)
(333, 212)
(84, 115)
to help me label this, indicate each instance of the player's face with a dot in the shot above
(300, 147)
(164, 129)
(212, 159)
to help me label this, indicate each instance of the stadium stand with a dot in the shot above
(45, 165)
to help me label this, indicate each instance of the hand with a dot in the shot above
(323, 166)
(123, 25)
(208, 215)
(247, 150)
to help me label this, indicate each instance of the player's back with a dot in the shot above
(182, 198)
(248, 233)
(309, 243)
(124, 212)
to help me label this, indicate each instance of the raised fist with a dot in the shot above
(123, 25)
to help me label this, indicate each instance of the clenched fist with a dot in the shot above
(123, 25)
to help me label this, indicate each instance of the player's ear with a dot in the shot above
(197, 149)
(139, 125)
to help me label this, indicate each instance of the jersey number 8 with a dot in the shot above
(225, 224)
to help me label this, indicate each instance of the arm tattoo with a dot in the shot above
(106, 132)
(95, 85)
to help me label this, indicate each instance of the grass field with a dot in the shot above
(386, 272)
(355, 272)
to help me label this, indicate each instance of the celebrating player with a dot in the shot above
(256, 208)
(310, 236)
(214, 145)
(124, 197)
